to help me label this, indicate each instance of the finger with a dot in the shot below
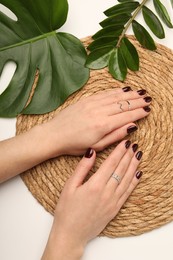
(135, 180)
(102, 94)
(128, 105)
(121, 169)
(114, 136)
(129, 175)
(82, 169)
(117, 121)
(123, 96)
(109, 165)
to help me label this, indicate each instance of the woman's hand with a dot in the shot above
(85, 208)
(96, 121)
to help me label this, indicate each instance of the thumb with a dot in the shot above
(83, 167)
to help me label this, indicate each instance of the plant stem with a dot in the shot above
(138, 9)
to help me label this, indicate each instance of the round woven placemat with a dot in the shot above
(151, 204)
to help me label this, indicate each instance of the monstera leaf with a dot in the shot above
(34, 44)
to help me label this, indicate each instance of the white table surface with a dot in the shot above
(24, 224)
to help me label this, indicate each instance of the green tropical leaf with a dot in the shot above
(33, 44)
(143, 36)
(172, 3)
(163, 13)
(153, 22)
(130, 54)
(119, 19)
(112, 30)
(124, 55)
(117, 65)
(102, 42)
(127, 7)
(99, 58)
(122, 1)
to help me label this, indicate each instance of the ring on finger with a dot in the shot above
(116, 177)
(121, 106)
(129, 105)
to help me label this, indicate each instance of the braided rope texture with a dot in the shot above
(151, 203)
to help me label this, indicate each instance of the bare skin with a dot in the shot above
(85, 209)
(95, 122)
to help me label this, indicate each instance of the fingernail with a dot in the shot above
(127, 144)
(89, 153)
(139, 175)
(147, 99)
(139, 155)
(135, 147)
(147, 109)
(131, 129)
(127, 89)
(142, 92)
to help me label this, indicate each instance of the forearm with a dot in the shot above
(84, 124)
(62, 247)
(22, 152)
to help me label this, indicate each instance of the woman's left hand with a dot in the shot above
(96, 121)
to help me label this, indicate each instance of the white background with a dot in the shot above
(24, 224)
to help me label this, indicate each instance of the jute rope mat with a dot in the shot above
(151, 204)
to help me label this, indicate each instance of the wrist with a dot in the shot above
(62, 247)
(50, 141)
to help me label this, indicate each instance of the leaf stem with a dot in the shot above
(29, 41)
(138, 9)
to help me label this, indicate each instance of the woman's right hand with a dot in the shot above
(85, 208)
(95, 121)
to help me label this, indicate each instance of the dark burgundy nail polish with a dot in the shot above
(142, 92)
(131, 129)
(147, 109)
(139, 155)
(127, 144)
(139, 175)
(89, 153)
(135, 147)
(147, 99)
(127, 89)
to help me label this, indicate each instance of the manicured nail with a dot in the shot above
(135, 147)
(131, 129)
(127, 144)
(142, 92)
(139, 175)
(147, 109)
(147, 99)
(127, 89)
(139, 155)
(89, 153)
